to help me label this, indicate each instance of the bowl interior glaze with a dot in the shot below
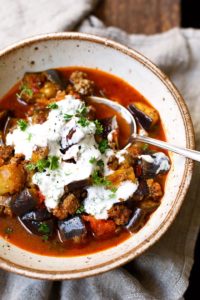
(75, 49)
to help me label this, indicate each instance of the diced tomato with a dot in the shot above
(101, 228)
(41, 197)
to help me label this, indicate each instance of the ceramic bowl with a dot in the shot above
(76, 49)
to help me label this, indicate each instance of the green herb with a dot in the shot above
(80, 210)
(44, 228)
(22, 124)
(53, 162)
(83, 122)
(145, 147)
(8, 230)
(111, 196)
(99, 127)
(29, 137)
(114, 189)
(103, 146)
(98, 180)
(42, 164)
(92, 160)
(31, 167)
(67, 117)
(53, 106)
(45, 237)
(25, 90)
(100, 163)
(82, 111)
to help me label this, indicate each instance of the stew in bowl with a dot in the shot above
(68, 186)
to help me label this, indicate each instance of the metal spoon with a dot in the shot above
(193, 154)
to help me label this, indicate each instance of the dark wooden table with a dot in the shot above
(148, 17)
(140, 16)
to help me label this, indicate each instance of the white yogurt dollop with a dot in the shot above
(81, 146)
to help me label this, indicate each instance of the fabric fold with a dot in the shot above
(162, 272)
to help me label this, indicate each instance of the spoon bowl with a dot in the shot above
(129, 118)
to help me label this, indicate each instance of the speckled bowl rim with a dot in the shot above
(190, 142)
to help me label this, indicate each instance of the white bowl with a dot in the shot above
(76, 49)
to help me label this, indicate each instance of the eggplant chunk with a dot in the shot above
(55, 77)
(108, 124)
(23, 203)
(38, 215)
(154, 164)
(12, 179)
(44, 228)
(141, 192)
(75, 185)
(144, 120)
(71, 228)
(136, 221)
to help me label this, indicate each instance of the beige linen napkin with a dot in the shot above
(163, 271)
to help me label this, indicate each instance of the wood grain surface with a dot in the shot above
(140, 16)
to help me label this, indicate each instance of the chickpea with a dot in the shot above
(49, 90)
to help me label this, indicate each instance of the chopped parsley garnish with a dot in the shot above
(29, 137)
(99, 127)
(52, 163)
(103, 146)
(113, 195)
(53, 106)
(98, 180)
(100, 163)
(22, 124)
(42, 164)
(25, 90)
(83, 121)
(82, 112)
(145, 147)
(45, 237)
(31, 167)
(44, 228)
(80, 210)
(92, 160)
(67, 117)
(114, 189)
(8, 230)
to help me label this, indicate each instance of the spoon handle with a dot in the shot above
(193, 154)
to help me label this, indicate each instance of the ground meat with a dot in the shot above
(12, 179)
(39, 113)
(155, 191)
(135, 149)
(18, 158)
(39, 153)
(120, 214)
(8, 212)
(69, 206)
(113, 163)
(6, 152)
(149, 205)
(4, 208)
(81, 84)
